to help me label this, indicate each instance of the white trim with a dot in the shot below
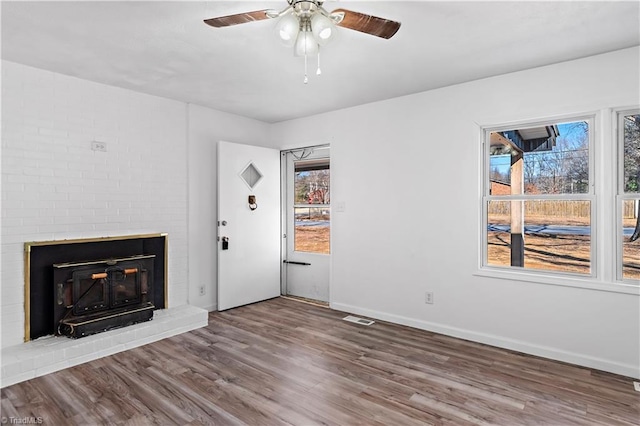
(287, 212)
(566, 280)
(497, 341)
(593, 119)
(558, 197)
(620, 195)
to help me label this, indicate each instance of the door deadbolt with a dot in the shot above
(225, 243)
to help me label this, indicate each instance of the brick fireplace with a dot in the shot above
(119, 273)
(81, 287)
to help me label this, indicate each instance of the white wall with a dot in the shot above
(408, 171)
(55, 187)
(206, 128)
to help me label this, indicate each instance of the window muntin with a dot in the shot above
(538, 198)
(628, 258)
(312, 211)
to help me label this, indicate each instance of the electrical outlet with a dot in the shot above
(428, 298)
(99, 146)
(636, 386)
(201, 290)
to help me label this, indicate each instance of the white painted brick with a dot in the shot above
(12, 332)
(44, 357)
(10, 250)
(55, 187)
(16, 199)
(84, 228)
(9, 187)
(21, 179)
(53, 196)
(17, 213)
(50, 230)
(68, 220)
(85, 197)
(12, 222)
(11, 311)
(51, 368)
(16, 377)
(20, 230)
(38, 171)
(38, 123)
(69, 188)
(48, 131)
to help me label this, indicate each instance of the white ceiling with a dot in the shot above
(163, 48)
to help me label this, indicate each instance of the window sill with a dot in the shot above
(540, 278)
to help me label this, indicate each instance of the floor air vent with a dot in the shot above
(357, 320)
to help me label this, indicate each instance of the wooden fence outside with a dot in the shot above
(558, 208)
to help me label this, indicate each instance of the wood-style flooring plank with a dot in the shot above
(283, 362)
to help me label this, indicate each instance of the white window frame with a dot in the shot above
(535, 275)
(604, 159)
(620, 194)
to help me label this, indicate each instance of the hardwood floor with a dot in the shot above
(284, 362)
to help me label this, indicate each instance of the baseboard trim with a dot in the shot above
(211, 308)
(497, 341)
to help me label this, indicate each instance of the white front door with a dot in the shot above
(248, 228)
(307, 220)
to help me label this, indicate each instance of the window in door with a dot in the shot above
(629, 196)
(538, 198)
(312, 209)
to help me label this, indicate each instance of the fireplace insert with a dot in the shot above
(100, 295)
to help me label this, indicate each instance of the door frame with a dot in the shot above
(284, 210)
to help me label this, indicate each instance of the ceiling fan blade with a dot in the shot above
(368, 24)
(240, 18)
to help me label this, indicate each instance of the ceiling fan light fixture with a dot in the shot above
(306, 44)
(272, 13)
(322, 28)
(305, 25)
(288, 28)
(337, 17)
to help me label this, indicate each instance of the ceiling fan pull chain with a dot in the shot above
(318, 71)
(306, 79)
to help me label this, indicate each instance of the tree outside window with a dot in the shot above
(629, 123)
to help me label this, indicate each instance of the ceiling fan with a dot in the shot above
(306, 25)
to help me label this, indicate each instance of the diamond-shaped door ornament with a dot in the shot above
(251, 175)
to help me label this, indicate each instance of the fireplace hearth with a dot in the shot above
(96, 296)
(81, 287)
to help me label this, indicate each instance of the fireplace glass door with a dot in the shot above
(98, 288)
(89, 294)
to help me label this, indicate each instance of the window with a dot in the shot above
(629, 196)
(311, 206)
(538, 198)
